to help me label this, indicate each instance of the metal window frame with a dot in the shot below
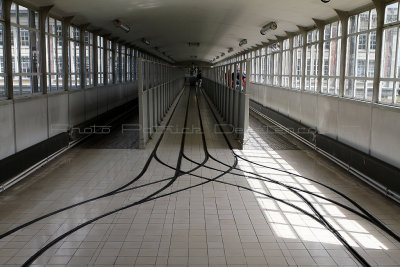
(338, 62)
(58, 71)
(17, 43)
(354, 78)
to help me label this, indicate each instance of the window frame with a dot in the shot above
(74, 66)
(18, 75)
(56, 37)
(312, 49)
(394, 80)
(356, 32)
(336, 56)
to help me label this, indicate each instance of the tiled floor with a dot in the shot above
(213, 224)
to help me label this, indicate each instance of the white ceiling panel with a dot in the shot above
(216, 24)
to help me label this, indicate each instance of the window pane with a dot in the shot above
(3, 92)
(391, 13)
(25, 51)
(389, 52)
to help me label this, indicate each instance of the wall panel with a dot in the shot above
(30, 121)
(7, 141)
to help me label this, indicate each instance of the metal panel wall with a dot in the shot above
(30, 121)
(39, 117)
(385, 138)
(76, 107)
(58, 113)
(370, 128)
(7, 141)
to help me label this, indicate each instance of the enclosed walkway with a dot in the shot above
(192, 199)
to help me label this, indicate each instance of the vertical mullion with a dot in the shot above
(395, 68)
(367, 61)
(19, 59)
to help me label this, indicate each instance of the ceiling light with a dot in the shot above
(270, 26)
(325, 1)
(243, 42)
(144, 40)
(119, 24)
(197, 44)
(230, 50)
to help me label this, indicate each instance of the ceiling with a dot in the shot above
(216, 24)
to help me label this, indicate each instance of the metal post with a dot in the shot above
(380, 12)
(320, 24)
(7, 48)
(65, 47)
(82, 56)
(344, 19)
(95, 61)
(44, 11)
(304, 65)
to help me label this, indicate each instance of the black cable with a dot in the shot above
(370, 218)
(104, 195)
(270, 180)
(325, 222)
(150, 197)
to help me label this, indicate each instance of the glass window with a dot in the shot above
(123, 63)
(117, 63)
(361, 45)
(100, 60)
(331, 58)
(25, 50)
(74, 63)
(89, 71)
(128, 64)
(297, 64)
(110, 62)
(54, 55)
(311, 77)
(389, 88)
(274, 57)
(3, 91)
(270, 66)
(286, 63)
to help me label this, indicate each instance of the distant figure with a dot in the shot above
(199, 79)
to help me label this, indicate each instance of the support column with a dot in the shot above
(380, 12)
(65, 29)
(320, 24)
(7, 48)
(114, 64)
(95, 61)
(82, 56)
(244, 106)
(43, 12)
(106, 63)
(291, 40)
(142, 108)
(304, 65)
(344, 19)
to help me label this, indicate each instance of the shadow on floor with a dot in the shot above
(121, 135)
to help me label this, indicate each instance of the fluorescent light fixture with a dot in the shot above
(196, 44)
(122, 26)
(230, 50)
(145, 41)
(268, 27)
(243, 42)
